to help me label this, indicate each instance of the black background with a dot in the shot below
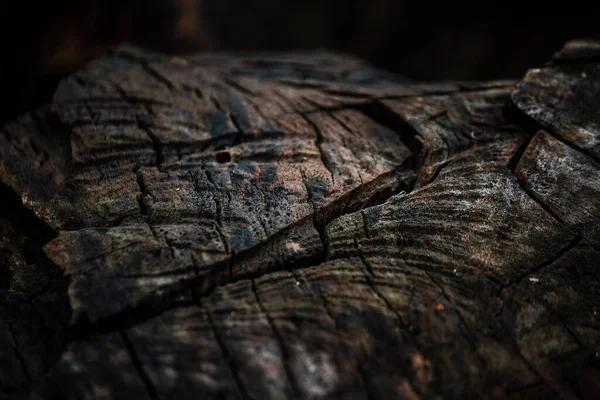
(422, 40)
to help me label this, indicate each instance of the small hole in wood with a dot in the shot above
(223, 156)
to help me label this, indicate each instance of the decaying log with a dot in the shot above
(302, 226)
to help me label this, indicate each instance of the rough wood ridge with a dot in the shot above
(302, 226)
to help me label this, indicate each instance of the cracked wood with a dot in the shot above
(304, 226)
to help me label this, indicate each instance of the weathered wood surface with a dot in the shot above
(303, 226)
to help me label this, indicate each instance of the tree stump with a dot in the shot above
(302, 226)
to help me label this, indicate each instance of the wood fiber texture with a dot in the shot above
(302, 226)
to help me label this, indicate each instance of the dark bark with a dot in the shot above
(303, 226)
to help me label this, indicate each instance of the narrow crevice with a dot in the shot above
(137, 364)
(238, 258)
(348, 204)
(438, 115)
(370, 279)
(264, 201)
(366, 229)
(515, 161)
(447, 145)
(466, 131)
(144, 125)
(226, 356)
(513, 113)
(318, 225)
(319, 108)
(110, 99)
(383, 115)
(156, 144)
(93, 116)
(541, 203)
(194, 294)
(237, 139)
(264, 227)
(237, 86)
(348, 93)
(180, 271)
(106, 122)
(557, 256)
(572, 145)
(321, 296)
(327, 309)
(152, 230)
(285, 355)
(370, 275)
(320, 228)
(198, 93)
(301, 111)
(157, 75)
(257, 106)
(545, 206)
(299, 84)
(219, 226)
(216, 103)
(473, 87)
(362, 197)
(218, 211)
(418, 90)
(143, 192)
(180, 294)
(319, 145)
(518, 154)
(438, 171)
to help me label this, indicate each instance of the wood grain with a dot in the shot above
(305, 226)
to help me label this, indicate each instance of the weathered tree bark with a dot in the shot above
(303, 226)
